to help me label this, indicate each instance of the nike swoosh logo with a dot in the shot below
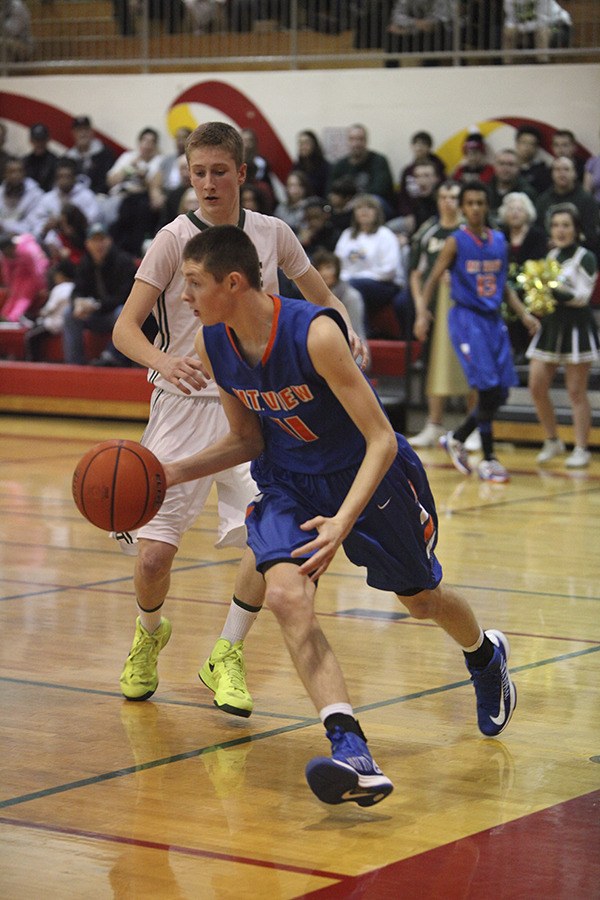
(383, 505)
(211, 666)
(499, 720)
(356, 792)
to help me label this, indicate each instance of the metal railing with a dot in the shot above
(161, 35)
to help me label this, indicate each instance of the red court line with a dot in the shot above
(554, 854)
(169, 848)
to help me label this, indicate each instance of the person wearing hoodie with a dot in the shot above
(68, 188)
(93, 158)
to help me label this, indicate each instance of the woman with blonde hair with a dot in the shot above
(568, 337)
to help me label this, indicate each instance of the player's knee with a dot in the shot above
(420, 606)
(285, 602)
(154, 560)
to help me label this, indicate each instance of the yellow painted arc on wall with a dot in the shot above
(180, 116)
(450, 152)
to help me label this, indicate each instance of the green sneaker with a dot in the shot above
(224, 673)
(139, 678)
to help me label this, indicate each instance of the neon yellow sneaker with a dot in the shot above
(139, 678)
(224, 673)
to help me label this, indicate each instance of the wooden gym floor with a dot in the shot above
(171, 799)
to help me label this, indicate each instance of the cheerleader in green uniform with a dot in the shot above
(568, 338)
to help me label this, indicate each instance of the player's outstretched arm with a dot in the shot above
(445, 258)
(314, 289)
(333, 361)
(129, 338)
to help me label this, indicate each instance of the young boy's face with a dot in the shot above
(216, 181)
(474, 208)
(328, 274)
(204, 295)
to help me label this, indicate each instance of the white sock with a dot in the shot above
(476, 645)
(239, 621)
(343, 708)
(150, 620)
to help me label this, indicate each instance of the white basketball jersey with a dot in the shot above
(276, 244)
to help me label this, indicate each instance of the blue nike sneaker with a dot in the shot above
(495, 692)
(350, 774)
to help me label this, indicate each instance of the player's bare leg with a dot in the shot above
(152, 578)
(350, 774)
(486, 653)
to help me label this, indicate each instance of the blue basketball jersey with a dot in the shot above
(478, 273)
(304, 425)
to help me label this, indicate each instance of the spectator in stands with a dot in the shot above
(591, 177)
(370, 171)
(421, 144)
(67, 239)
(317, 231)
(103, 280)
(170, 208)
(170, 174)
(291, 210)
(340, 196)
(538, 24)
(16, 41)
(40, 164)
(526, 240)
(422, 204)
(564, 144)
(369, 255)
(19, 198)
(505, 180)
(568, 337)
(51, 317)
(565, 189)
(474, 165)
(94, 159)
(68, 188)
(534, 169)
(420, 26)
(445, 377)
(328, 266)
(258, 168)
(133, 213)
(23, 267)
(252, 197)
(311, 160)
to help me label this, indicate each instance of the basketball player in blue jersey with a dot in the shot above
(330, 471)
(477, 257)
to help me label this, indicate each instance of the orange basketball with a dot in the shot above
(118, 485)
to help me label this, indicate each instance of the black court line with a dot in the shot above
(190, 754)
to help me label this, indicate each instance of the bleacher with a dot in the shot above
(85, 36)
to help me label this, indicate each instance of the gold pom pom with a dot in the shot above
(537, 279)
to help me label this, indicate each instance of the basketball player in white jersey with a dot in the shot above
(186, 415)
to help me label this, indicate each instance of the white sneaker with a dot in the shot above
(428, 437)
(578, 459)
(473, 442)
(457, 453)
(552, 447)
(492, 470)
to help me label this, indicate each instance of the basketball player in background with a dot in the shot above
(185, 409)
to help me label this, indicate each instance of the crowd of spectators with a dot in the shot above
(353, 215)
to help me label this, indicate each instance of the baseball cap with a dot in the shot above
(96, 229)
(39, 132)
(81, 122)
(474, 141)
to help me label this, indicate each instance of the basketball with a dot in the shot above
(118, 485)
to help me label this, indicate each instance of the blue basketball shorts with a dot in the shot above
(483, 347)
(394, 538)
